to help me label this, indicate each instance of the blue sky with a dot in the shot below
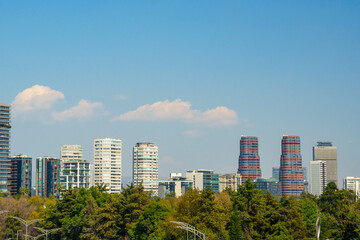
(217, 70)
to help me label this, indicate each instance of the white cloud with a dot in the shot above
(84, 109)
(35, 98)
(179, 110)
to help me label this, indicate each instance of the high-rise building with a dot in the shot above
(291, 171)
(352, 183)
(275, 173)
(317, 177)
(230, 180)
(75, 172)
(325, 151)
(47, 176)
(107, 161)
(145, 166)
(72, 152)
(4, 146)
(20, 173)
(249, 159)
(270, 185)
(203, 179)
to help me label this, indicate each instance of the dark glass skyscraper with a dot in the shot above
(20, 174)
(4, 146)
(291, 170)
(47, 176)
(249, 159)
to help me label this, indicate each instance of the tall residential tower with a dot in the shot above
(325, 151)
(145, 166)
(249, 159)
(291, 171)
(4, 146)
(107, 163)
(47, 176)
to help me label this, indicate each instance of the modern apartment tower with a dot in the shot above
(75, 172)
(325, 151)
(317, 177)
(107, 163)
(291, 171)
(145, 166)
(47, 176)
(4, 146)
(20, 173)
(249, 159)
(352, 183)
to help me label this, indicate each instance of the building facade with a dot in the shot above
(75, 172)
(275, 173)
(20, 173)
(107, 163)
(176, 186)
(317, 177)
(249, 159)
(352, 183)
(4, 146)
(203, 179)
(325, 151)
(231, 180)
(47, 176)
(291, 172)
(270, 185)
(145, 166)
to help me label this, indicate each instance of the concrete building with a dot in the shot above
(107, 161)
(175, 186)
(291, 171)
(71, 152)
(352, 183)
(203, 179)
(231, 180)
(325, 151)
(317, 177)
(270, 185)
(5, 127)
(75, 172)
(249, 159)
(145, 166)
(47, 176)
(20, 173)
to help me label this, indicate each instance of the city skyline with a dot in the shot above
(192, 77)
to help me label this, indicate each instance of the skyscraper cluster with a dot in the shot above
(72, 171)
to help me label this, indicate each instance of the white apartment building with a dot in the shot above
(231, 180)
(145, 166)
(318, 175)
(107, 161)
(352, 183)
(75, 172)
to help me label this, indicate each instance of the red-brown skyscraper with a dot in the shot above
(249, 159)
(291, 171)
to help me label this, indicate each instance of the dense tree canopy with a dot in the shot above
(243, 214)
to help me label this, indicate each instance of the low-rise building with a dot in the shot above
(352, 183)
(175, 186)
(203, 179)
(271, 185)
(231, 180)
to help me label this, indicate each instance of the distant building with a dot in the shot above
(107, 161)
(92, 174)
(75, 172)
(145, 166)
(231, 180)
(317, 177)
(352, 183)
(270, 185)
(203, 179)
(5, 127)
(20, 173)
(325, 151)
(175, 185)
(291, 171)
(249, 159)
(275, 173)
(47, 176)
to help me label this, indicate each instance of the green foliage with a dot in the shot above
(243, 214)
